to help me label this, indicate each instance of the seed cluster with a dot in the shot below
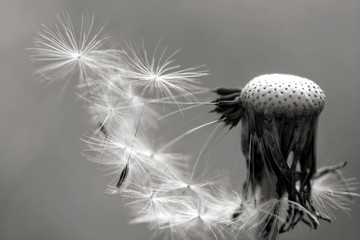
(283, 94)
(278, 115)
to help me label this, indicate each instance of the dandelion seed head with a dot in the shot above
(283, 94)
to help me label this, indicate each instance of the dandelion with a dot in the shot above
(278, 114)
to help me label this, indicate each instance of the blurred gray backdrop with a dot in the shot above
(48, 190)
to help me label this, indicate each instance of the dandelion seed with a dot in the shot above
(117, 110)
(151, 205)
(123, 176)
(196, 217)
(160, 76)
(170, 183)
(63, 51)
(262, 221)
(167, 161)
(103, 130)
(120, 145)
(333, 191)
(225, 202)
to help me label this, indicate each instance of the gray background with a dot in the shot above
(49, 191)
